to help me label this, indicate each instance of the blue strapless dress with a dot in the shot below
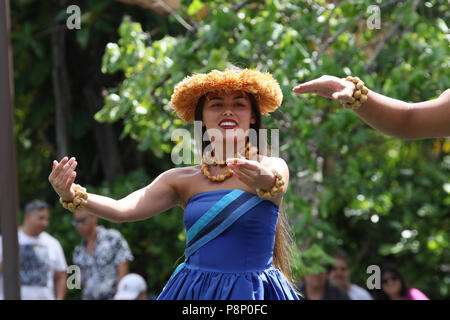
(237, 264)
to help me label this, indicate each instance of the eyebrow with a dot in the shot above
(220, 98)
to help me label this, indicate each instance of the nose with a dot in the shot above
(227, 110)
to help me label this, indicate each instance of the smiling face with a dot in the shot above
(340, 273)
(391, 284)
(37, 221)
(229, 113)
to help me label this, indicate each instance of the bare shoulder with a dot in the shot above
(183, 176)
(175, 176)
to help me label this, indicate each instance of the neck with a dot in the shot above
(28, 231)
(227, 149)
(395, 297)
(315, 293)
(344, 286)
(92, 236)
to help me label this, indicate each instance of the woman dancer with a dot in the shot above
(237, 243)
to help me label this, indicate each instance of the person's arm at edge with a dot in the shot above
(407, 121)
(60, 281)
(122, 271)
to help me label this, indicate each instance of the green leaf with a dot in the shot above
(82, 37)
(194, 7)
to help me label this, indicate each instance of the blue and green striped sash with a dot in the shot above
(216, 220)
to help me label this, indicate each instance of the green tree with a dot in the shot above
(352, 187)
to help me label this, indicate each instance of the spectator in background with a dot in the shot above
(339, 276)
(103, 257)
(395, 287)
(42, 263)
(132, 287)
(317, 287)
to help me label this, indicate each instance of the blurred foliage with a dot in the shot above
(351, 187)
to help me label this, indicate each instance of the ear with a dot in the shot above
(252, 119)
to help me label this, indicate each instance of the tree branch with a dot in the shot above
(346, 26)
(386, 38)
(195, 47)
(239, 6)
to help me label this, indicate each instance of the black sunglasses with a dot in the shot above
(388, 279)
(82, 220)
(337, 268)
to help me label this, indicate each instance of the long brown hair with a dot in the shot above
(283, 239)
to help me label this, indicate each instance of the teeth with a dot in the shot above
(228, 124)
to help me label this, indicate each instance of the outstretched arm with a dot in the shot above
(428, 119)
(157, 197)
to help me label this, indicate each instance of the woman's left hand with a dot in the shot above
(329, 87)
(252, 173)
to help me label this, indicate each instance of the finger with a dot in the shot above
(336, 96)
(251, 172)
(243, 162)
(71, 180)
(59, 168)
(236, 160)
(249, 165)
(239, 173)
(347, 92)
(68, 172)
(308, 87)
(341, 97)
(52, 174)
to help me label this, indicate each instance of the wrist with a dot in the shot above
(275, 188)
(78, 201)
(67, 198)
(359, 96)
(269, 181)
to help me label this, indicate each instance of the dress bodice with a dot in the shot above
(236, 264)
(245, 246)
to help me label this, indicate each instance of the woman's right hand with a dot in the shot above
(62, 176)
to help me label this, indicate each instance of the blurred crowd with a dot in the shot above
(102, 259)
(335, 284)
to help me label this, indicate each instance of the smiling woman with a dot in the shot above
(395, 287)
(226, 120)
(237, 238)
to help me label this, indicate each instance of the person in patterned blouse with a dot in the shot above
(103, 257)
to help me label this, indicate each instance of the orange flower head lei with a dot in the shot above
(265, 89)
(262, 86)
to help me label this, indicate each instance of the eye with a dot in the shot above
(239, 104)
(215, 105)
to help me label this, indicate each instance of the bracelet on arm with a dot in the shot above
(79, 201)
(359, 94)
(276, 188)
